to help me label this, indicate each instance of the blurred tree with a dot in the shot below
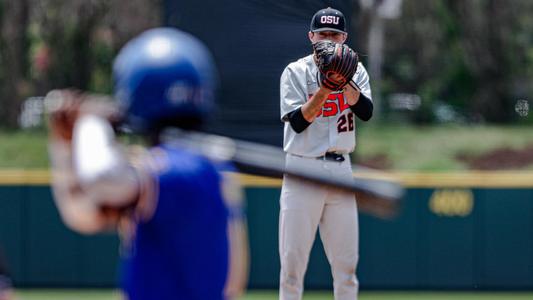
(128, 18)
(371, 20)
(415, 49)
(14, 19)
(495, 51)
(471, 54)
(120, 24)
(81, 38)
(64, 30)
(48, 44)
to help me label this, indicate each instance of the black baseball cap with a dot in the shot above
(328, 19)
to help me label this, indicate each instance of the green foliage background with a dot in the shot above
(475, 56)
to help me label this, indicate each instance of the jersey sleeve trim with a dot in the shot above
(297, 120)
(363, 108)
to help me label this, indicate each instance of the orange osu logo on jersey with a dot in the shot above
(334, 105)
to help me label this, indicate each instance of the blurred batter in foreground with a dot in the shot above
(179, 217)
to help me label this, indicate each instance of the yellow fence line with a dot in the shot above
(470, 179)
(482, 179)
(24, 177)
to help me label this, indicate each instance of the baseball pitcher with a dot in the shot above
(320, 95)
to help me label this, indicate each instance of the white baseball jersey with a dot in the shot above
(333, 129)
(304, 207)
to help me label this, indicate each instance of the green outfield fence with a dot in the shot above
(455, 231)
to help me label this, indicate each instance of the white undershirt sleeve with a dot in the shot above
(99, 164)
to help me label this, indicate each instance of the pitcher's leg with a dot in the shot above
(300, 209)
(339, 231)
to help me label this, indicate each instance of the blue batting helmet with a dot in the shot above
(164, 77)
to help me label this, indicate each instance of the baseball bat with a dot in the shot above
(377, 196)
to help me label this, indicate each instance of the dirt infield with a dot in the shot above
(379, 162)
(505, 158)
(499, 159)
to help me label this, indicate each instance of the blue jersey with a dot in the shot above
(182, 252)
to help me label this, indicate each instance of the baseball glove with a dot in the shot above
(337, 64)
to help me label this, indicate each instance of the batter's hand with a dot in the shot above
(64, 110)
(66, 106)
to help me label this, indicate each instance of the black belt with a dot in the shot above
(332, 156)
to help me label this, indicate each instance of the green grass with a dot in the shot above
(54, 294)
(23, 150)
(271, 295)
(408, 147)
(435, 148)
